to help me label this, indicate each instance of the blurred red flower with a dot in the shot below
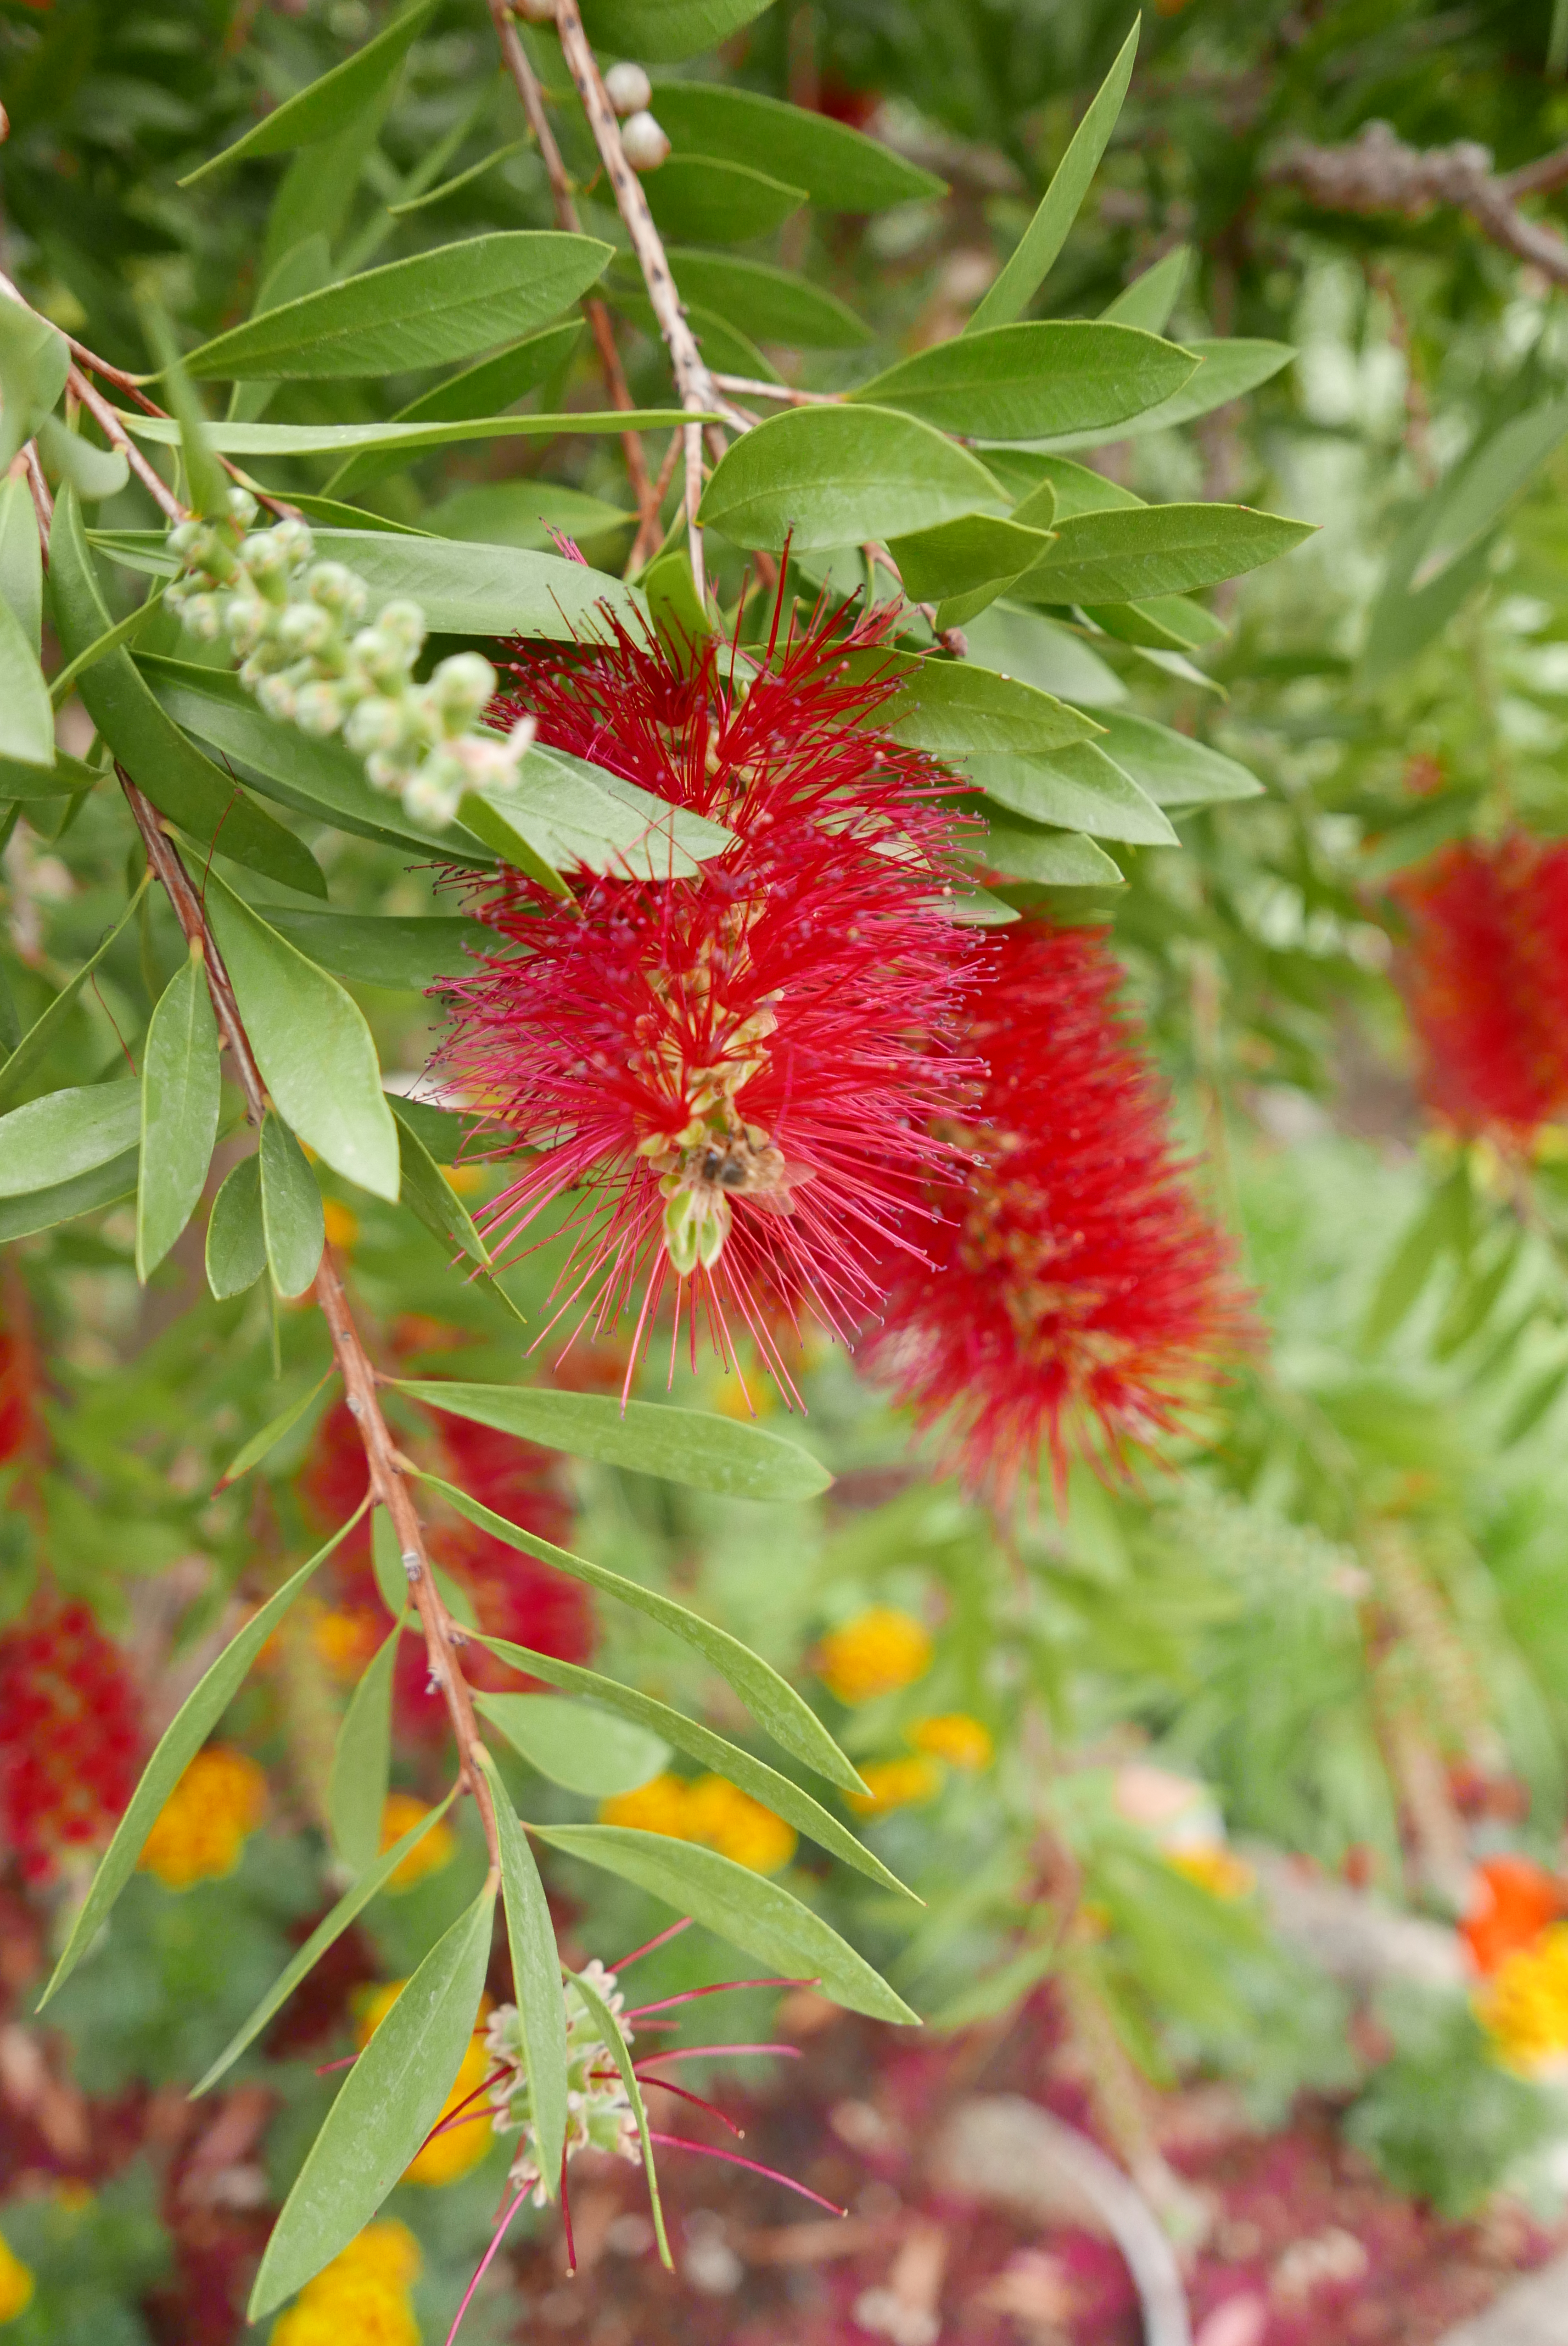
(70, 1735)
(1513, 1903)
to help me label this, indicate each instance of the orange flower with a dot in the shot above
(1213, 1867)
(897, 1784)
(721, 1815)
(876, 1653)
(1524, 2006)
(658, 1806)
(399, 1815)
(956, 1738)
(1513, 1903)
(449, 2156)
(345, 1637)
(361, 2298)
(202, 1828)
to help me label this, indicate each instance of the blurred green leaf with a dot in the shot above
(327, 105)
(839, 168)
(180, 1083)
(361, 1761)
(536, 1982)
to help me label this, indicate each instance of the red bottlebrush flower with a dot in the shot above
(70, 1735)
(1513, 1903)
(1077, 1291)
(737, 1071)
(1485, 974)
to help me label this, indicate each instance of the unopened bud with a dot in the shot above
(336, 589)
(627, 88)
(303, 626)
(645, 142)
(376, 724)
(462, 689)
(317, 709)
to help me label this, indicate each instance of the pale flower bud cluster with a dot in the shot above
(295, 626)
(599, 2115)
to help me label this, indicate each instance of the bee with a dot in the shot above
(740, 1164)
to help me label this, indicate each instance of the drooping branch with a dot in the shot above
(1377, 172)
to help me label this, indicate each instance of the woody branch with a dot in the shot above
(1377, 172)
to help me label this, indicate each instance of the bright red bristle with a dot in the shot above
(734, 1077)
(1485, 974)
(70, 1735)
(1078, 1292)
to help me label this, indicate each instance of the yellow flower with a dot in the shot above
(454, 2155)
(746, 1397)
(897, 1784)
(345, 1637)
(1213, 1867)
(399, 1815)
(876, 1653)
(342, 1224)
(207, 1820)
(464, 1178)
(1524, 2006)
(17, 2283)
(729, 1821)
(361, 2299)
(956, 1738)
(658, 1806)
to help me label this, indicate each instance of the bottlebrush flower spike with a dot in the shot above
(70, 1735)
(741, 1074)
(1077, 1292)
(1485, 974)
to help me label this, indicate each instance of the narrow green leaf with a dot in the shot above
(682, 1445)
(427, 1193)
(841, 170)
(1121, 557)
(438, 195)
(180, 1083)
(721, 342)
(773, 1702)
(292, 1221)
(419, 313)
(1469, 504)
(124, 631)
(1539, 1397)
(610, 2030)
(362, 1762)
(958, 557)
(65, 778)
(753, 1913)
(236, 1240)
(1171, 623)
(206, 483)
(1149, 299)
(827, 476)
(329, 1929)
(701, 199)
(391, 2099)
(181, 1741)
(326, 105)
(523, 513)
(569, 815)
(663, 31)
(960, 711)
(180, 783)
(1046, 233)
(441, 1130)
(239, 438)
(1403, 621)
(1001, 1990)
(316, 1054)
(664, 1725)
(21, 559)
(61, 1201)
(536, 1982)
(769, 304)
(65, 1133)
(34, 364)
(1228, 370)
(1052, 859)
(410, 952)
(1441, 1228)
(93, 472)
(1078, 788)
(1033, 381)
(257, 1448)
(490, 388)
(1175, 770)
(26, 715)
(580, 1746)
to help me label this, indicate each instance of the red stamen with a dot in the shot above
(485, 2264)
(722, 1987)
(637, 1954)
(566, 2220)
(715, 2052)
(706, 2151)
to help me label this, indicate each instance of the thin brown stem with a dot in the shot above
(115, 432)
(648, 534)
(1377, 172)
(381, 1457)
(563, 196)
(751, 387)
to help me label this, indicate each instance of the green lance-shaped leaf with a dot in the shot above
(712, 202)
(27, 716)
(772, 1701)
(236, 1236)
(420, 312)
(841, 170)
(753, 1913)
(1149, 299)
(1077, 789)
(1227, 369)
(236, 437)
(180, 1083)
(412, 952)
(563, 813)
(827, 476)
(488, 388)
(698, 1742)
(1046, 233)
(960, 711)
(610, 2030)
(1169, 623)
(768, 303)
(391, 2099)
(681, 1446)
(316, 1054)
(257, 1448)
(1471, 501)
(326, 105)
(181, 1741)
(1175, 770)
(65, 1133)
(207, 485)
(663, 31)
(65, 778)
(958, 557)
(362, 1762)
(61, 1201)
(1033, 381)
(536, 1980)
(34, 364)
(292, 1221)
(123, 631)
(580, 1746)
(1050, 858)
(21, 559)
(1121, 557)
(94, 473)
(180, 783)
(427, 1193)
(352, 1902)
(15, 1070)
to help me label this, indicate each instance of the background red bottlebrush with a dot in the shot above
(1485, 974)
(70, 1735)
(742, 1072)
(1077, 1291)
